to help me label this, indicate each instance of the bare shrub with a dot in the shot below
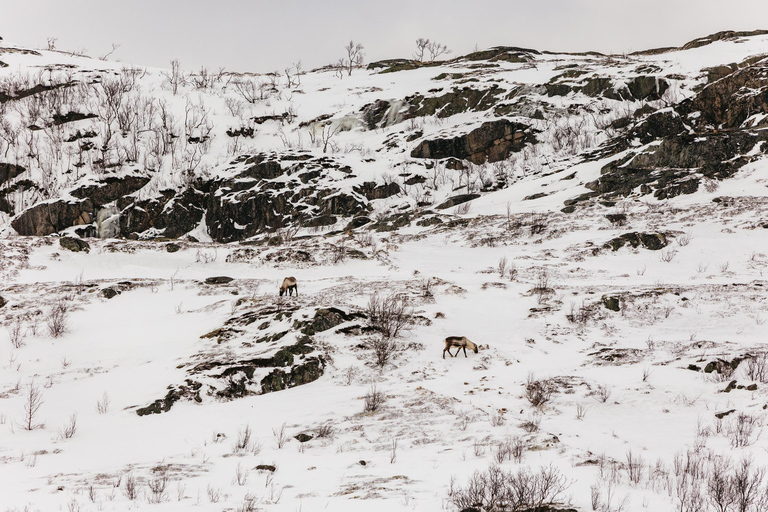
(102, 405)
(503, 451)
(602, 393)
(70, 428)
(131, 487)
(668, 256)
(744, 430)
(57, 319)
(538, 392)
(383, 350)
(325, 431)
(519, 447)
(747, 483)
(581, 315)
(532, 424)
(581, 411)
(16, 332)
(374, 399)
(499, 490)
(390, 315)
(214, 493)
(756, 367)
(720, 491)
(281, 437)
(33, 400)
(426, 288)
(502, 266)
(463, 208)
(243, 442)
(635, 465)
(241, 475)
(157, 488)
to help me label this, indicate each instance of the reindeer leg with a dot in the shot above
(465, 352)
(444, 353)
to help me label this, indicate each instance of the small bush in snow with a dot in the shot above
(390, 314)
(538, 392)
(374, 399)
(57, 319)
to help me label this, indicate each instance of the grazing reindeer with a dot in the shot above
(458, 341)
(289, 285)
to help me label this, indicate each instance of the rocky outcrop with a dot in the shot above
(492, 142)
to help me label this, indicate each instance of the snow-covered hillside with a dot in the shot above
(595, 224)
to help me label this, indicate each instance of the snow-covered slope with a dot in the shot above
(600, 234)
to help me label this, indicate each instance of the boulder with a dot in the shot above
(3, 302)
(612, 302)
(48, 218)
(73, 244)
(219, 280)
(109, 293)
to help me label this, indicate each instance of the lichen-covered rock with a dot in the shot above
(652, 241)
(74, 244)
(109, 293)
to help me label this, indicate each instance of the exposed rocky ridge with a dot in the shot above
(295, 359)
(673, 131)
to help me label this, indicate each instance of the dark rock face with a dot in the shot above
(327, 318)
(172, 215)
(74, 244)
(47, 218)
(279, 380)
(3, 302)
(371, 191)
(492, 142)
(110, 189)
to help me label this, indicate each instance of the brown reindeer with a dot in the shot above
(289, 285)
(458, 341)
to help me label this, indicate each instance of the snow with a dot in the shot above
(707, 301)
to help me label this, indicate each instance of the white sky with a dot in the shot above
(265, 35)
